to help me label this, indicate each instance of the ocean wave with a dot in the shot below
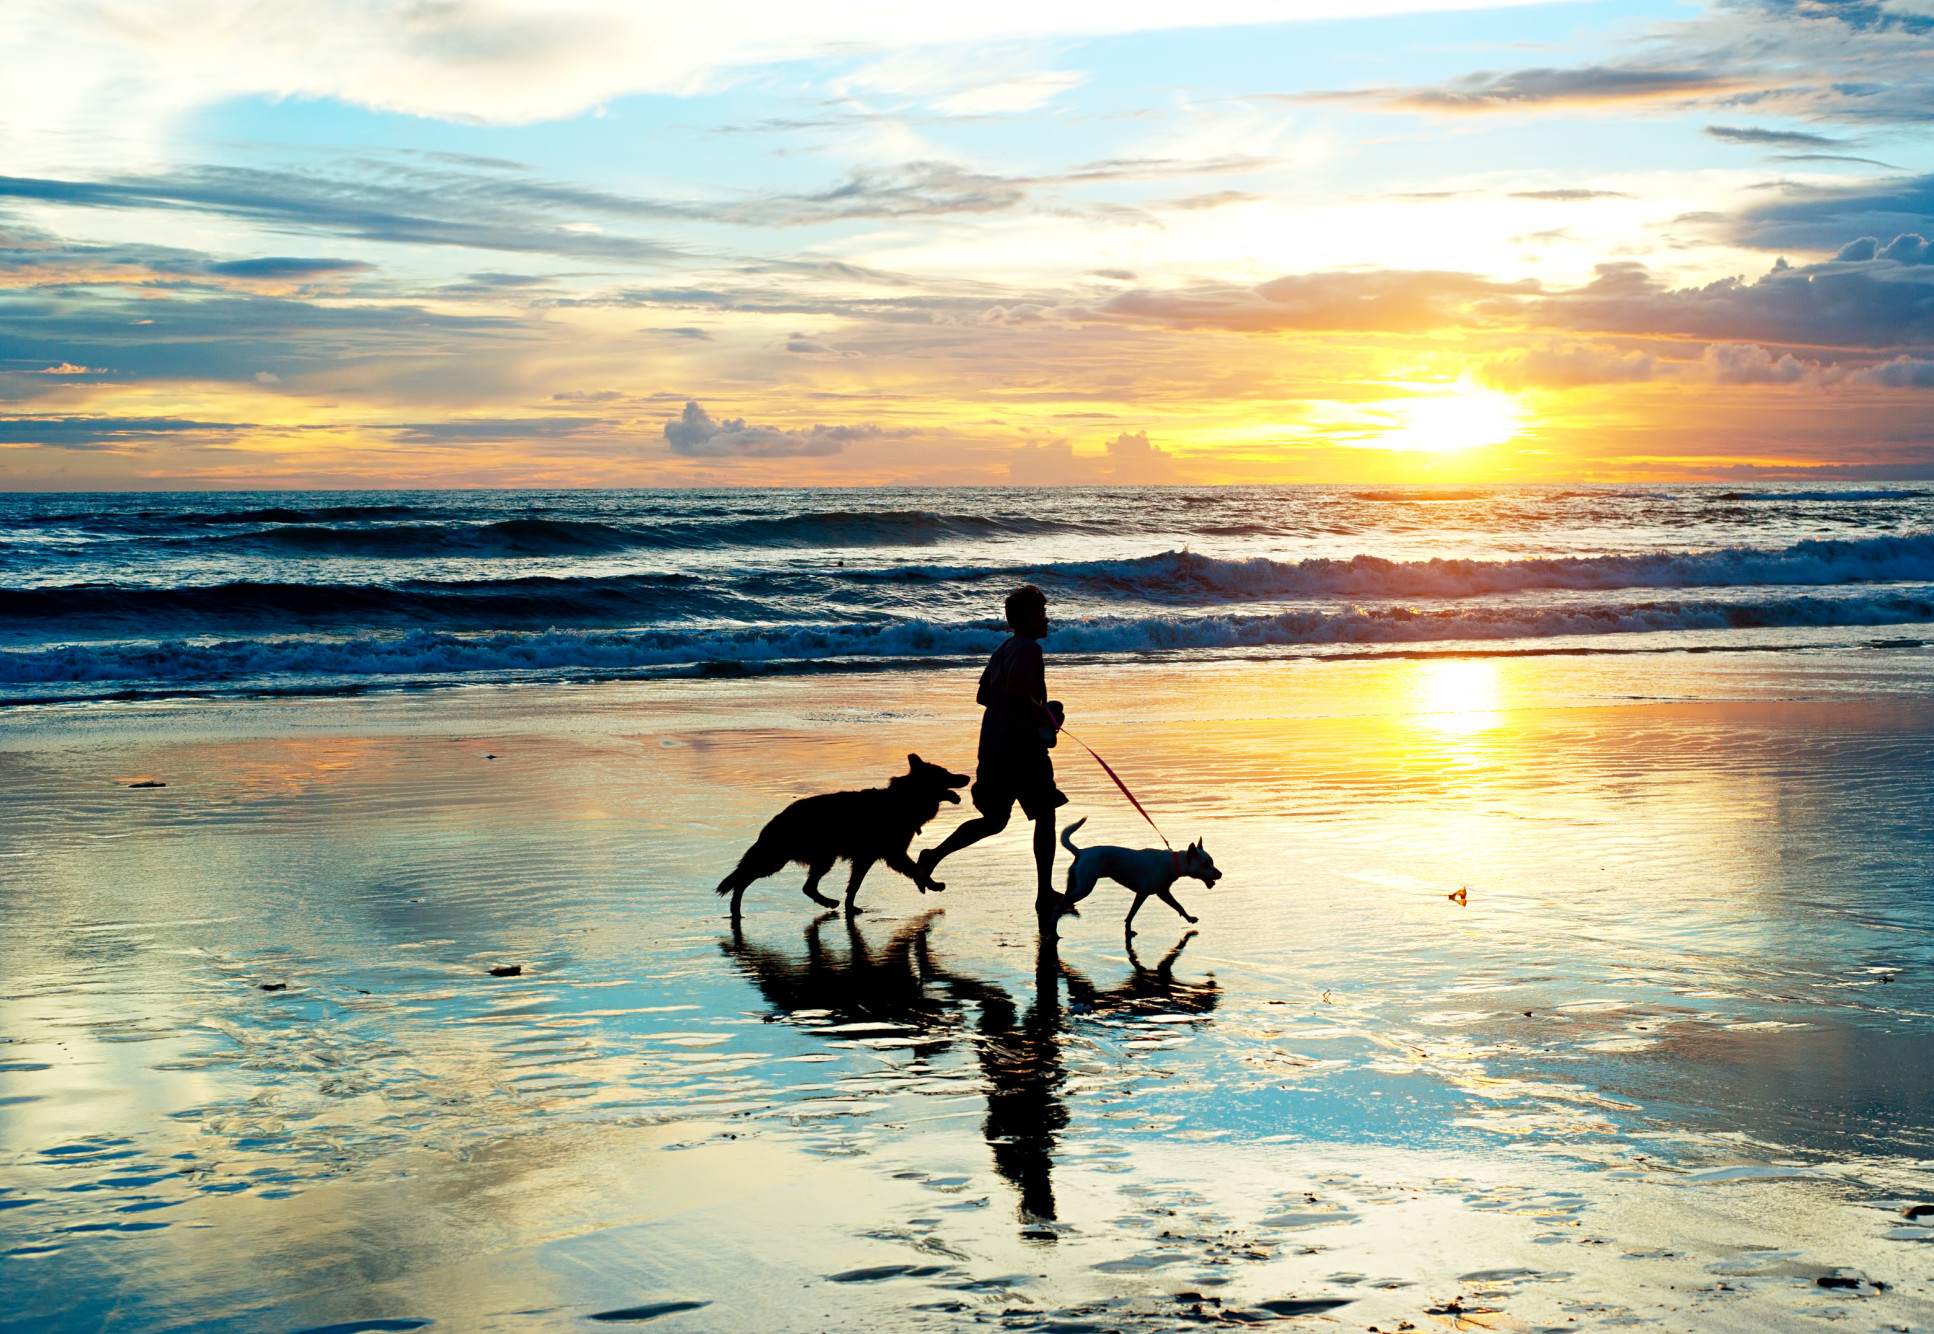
(320, 514)
(309, 534)
(535, 600)
(425, 653)
(507, 537)
(860, 528)
(1821, 495)
(1183, 575)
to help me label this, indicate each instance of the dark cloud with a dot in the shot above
(149, 335)
(1879, 304)
(1825, 218)
(282, 266)
(415, 208)
(104, 432)
(1900, 373)
(696, 434)
(1749, 134)
(1581, 86)
(1860, 62)
(1833, 157)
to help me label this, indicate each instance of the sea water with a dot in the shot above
(1661, 1061)
(110, 594)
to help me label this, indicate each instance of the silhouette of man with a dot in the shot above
(1016, 732)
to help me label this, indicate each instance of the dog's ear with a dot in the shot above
(913, 761)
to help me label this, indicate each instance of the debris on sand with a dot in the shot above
(508, 970)
(1460, 896)
(275, 986)
(151, 782)
(1852, 1280)
(1917, 1211)
(649, 1311)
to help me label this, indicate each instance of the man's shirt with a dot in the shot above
(1011, 686)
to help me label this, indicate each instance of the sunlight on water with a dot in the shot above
(256, 1072)
(1456, 697)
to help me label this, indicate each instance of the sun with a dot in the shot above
(1442, 420)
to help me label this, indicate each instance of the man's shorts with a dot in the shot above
(1027, 778)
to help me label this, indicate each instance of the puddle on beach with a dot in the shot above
(1668, 1065)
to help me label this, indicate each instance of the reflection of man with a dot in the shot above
(1024, 1078)
(1016, 732)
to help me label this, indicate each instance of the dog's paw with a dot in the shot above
(1191, 920)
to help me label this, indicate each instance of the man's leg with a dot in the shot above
(981, 826)
(1046, 901)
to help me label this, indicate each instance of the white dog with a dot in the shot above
(1145, 871)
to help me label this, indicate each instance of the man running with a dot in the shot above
(1016, 733)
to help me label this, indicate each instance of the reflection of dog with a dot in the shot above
(864, 827)
(1144, 871)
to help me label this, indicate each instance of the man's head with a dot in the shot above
(1027, 611)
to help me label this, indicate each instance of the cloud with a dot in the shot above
(474, 430)
(1825, 217)
(89, 433)
(1589, 85)
(285, 267)
(1569, 196)
(1747, 134)
(1136, 460)
(1384, 300)
(1849, 61)
(1877, 304)
(145, 333)
(808, 345)
(1749, 363)
(414, 207)
(696, 434)
(115, 76)
(1567, 366)
(1047, 463)
(1900, 373)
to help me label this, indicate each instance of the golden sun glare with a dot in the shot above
(1437, 420)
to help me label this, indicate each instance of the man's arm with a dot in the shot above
(1027, 686)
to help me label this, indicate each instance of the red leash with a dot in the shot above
(1123, 786)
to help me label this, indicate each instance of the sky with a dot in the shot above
(632, 243)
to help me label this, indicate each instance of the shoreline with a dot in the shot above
(1721, 644)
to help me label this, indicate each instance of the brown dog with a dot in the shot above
(872, 825)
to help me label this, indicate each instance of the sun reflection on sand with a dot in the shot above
(1457, 697)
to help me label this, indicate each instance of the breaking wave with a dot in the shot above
(1184, 575)
(439, 653)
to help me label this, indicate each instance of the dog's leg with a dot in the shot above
(860, 868)
(1169, 899)
(1128, 922)
(813, 875)
(1081, 883)
(917, 874)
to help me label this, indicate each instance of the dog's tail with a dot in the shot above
(1068, 833)
(757, 864)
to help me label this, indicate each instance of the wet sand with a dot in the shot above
(1666, 1066)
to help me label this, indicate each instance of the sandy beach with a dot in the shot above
(1666, 1065)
